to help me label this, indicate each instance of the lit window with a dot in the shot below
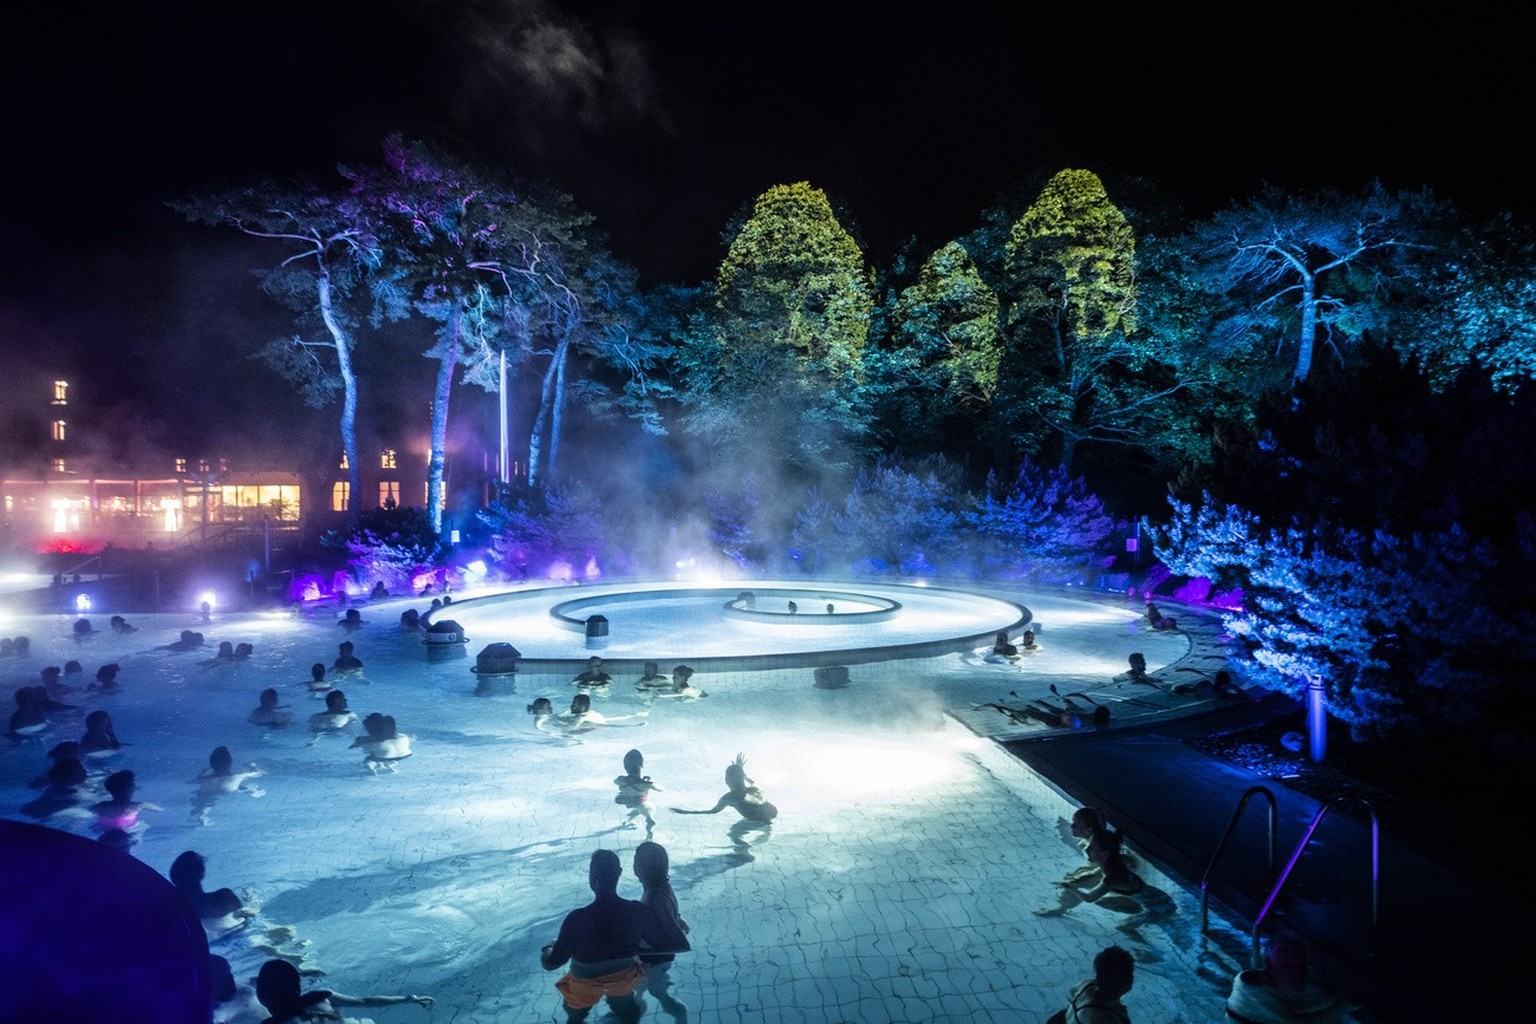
(223, 465)
(181, 465)
(387, 459)
(344, 463)
(389, 492)
(58, 430)
(202, 465)
(58, 466)
(61, 392)
(340, 492)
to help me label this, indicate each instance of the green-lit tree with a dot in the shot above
(946, 349)
(1077, 371)
(782, 374)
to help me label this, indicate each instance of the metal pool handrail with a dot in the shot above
(1285, 874)
(1226, 840)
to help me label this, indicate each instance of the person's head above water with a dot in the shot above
(98, 721)
(277, 987)
(603, 872)
(1086, 820)
(336, 702)
(650, 669)
(221, 760)
(541, 706)
(269, 698)
(226, 649)
(651, 863)
(317, 671)
(633, 762)
(120, 785)
(1114, 971)
(581, 704)
(187, 871)
(736, 774)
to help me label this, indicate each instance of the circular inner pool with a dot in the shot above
(741, 625)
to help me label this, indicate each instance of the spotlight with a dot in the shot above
(83, 603)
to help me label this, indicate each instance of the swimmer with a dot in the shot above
(410, 619)
(651, 868)
(652, 679)
(1027, 642)
(317, 683)
(583, 719)
(352, 620)
(742, 796)
(243, 651)
(121, 625)
(335, 718)
(1002, 648)
(220, 911)
(190, 641)
(30, 719)
(269, 712)
(384, 746)
(593, 674)
(68, 788)
(681, 687)
(122, 810)
(224, 656)
(634, 792)
(220, 778)
(277, 987)
(346, 661)
(100, 739)
(106, 680)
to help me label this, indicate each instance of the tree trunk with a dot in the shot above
(447, 361)
(1308, 338)
(556, 416)
(554, 371)
(349, 396)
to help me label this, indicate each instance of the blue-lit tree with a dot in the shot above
(1381, 537)
(1045, 526)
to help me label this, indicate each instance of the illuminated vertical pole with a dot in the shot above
(506, 477)
(1317, 718)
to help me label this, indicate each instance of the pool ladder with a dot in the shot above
(1278, 882)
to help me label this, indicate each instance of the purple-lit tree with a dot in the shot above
(332, 246)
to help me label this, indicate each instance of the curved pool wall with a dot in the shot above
(698, 625)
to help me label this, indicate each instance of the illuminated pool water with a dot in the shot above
(897, 884)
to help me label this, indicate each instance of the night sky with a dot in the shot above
(664, 118)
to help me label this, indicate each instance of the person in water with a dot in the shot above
(318, 684)
(335, 718)
(269, 712)
(593, 674)
(122, 810)
(742, 796)
(220, 778)
(635, 790)
(278, 988)
(221, 910)
(384, 746)
(346, 660)
(100, 739)
(582, 718)
(651, 867)
(653, 680)
(602, 942)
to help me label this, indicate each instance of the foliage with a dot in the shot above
(907, 519)
(1381, 536)
(779, 382)
(391, 544)
(1312, 269)
(536, 529)
(1046, 526)
(1074, 254)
